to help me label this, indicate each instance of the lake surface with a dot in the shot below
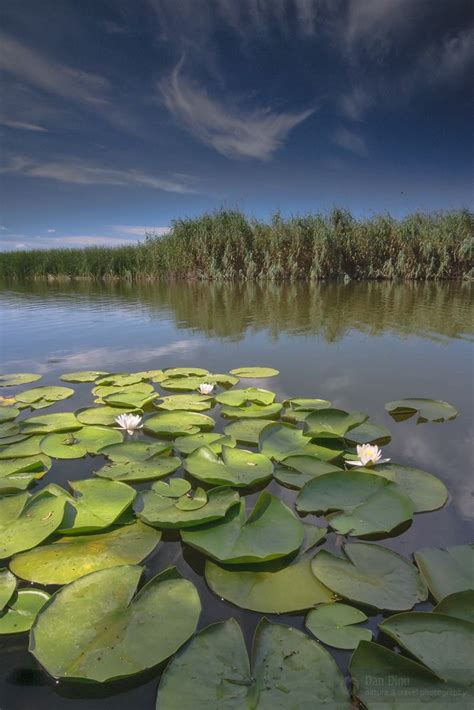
(358, 345)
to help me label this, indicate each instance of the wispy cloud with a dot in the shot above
(23, 126)
(79, 172)
(139, 231)
(355, 103)
(230, 130)
(349, 140)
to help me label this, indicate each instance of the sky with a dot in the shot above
(118, 116)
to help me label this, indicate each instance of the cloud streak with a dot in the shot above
(349, 140)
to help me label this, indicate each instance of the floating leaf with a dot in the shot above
(236, 468)
(329, 423)
(94, 505)
(136, 450)
(460, 605)
(252, 411)
(18, 474)
(7, 587)
(153, 375)
(103, 416)
(188, 384)
(425, 490)
(176, 488)
(18, 378)
(236, 398)
(365, 503)
(185, 372)
(428, 410)
(136, 471)
(8, 414)
(22, 449)
(371, 575)
(22, 611)
(123, 379)
(161, 510)
(99, 628)
(82, 376)
(132, 398)
(72, 557)
(333, 624)
(293, 588)
(272, 530)
(192, 501)
(368, 433)
(296, 470)
(286, 665)
(186, 402)
(254, 373)
(277, 441)
(49, 423)
(178, 423)
(102, 391)
(26, 520)
(302, 404)
(213, 440)
(76, 444)
(447, 571)
(247, 431)
(46, 394)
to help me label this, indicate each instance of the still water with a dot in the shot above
(358, 345)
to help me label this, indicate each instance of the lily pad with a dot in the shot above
(277, 441)
(82, 376)
(161, 510)
(102, 391)
(236, 398)
(122, 379)
(447, 571)
(76, 444)
(213, 440)
(371, 575)
(136, 471)
(7, 587)
(8, 414)
(152, 375)
(428, 410)
(254, 373)
(22, 449)
(87, 632)
(178, 423)
(103, 416)
(333, 624)
(133, 399)
(22, 610)
(135, 450)
(94, 505)
(26, 520)
(332, 423)
(185, 372)
(50, 423)
(460, 605)
(302, 404)
(286, 664)
(368, 433)
(236, 467)
(271, 531)
(73, 556)
(425, 490)
(46, 394)
(365, 504)
(192, 402)
(252, 411)
(192, 501)
(293, 588)
(193, 382)
(296, 470)
(18, 378)
(247, 431)
(176, 488)
(18, 474)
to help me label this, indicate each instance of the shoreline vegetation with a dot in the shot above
(227, 246)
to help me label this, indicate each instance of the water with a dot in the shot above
(358, 345)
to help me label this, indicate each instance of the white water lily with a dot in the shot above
(369, 455)
(129, 422)
(206, 388)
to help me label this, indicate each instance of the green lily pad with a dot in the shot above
(136, 450)
(303, 404)
(185, 372)
(192, 402)
(333, 624)
(236, 398)
(368, 433)
(122, 379)
(94, 505)
(332, 423)
(192, 501)
(428, 410)
(247, 431)
(18, 474)
(177, 423)
(254, 373)
(133, 399)
(161, 510)
(103, 416)
(8, 430)
(26, 520)
(459, 604)
(46, 393)
(18, 378)
(152, 375)
(271, 531)
(236, 468)
(102, 391)
(8, 414)
(252, 411)
(365, 504)
(371, 575)
(213, 440)
(99, 628)
(83, 376)
(22, 611)
(72, 557)
(25, 448)
(15, 482)
(447, 571)
(136, 471)
(293, 588)
(50, 423)
(325, 449)
(296, 470)
(289, 670)
(176, 488)
(193, 382)
(277, 441)
(76, 444)
(425, 490)
(7, 587)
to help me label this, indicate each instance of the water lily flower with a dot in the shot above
(206, 388)
(129, 422)
(369, 455)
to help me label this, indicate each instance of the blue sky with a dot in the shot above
(119, 115)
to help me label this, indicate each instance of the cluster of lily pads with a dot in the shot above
(91, 540)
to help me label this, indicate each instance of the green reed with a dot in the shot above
(227, 246)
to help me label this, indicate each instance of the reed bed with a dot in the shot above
(227, 246)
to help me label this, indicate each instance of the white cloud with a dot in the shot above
(79, 172)
(443, 63)
(21, 125)
(139, 231)
(231, 131)
(349, 140)
(50, 231)
(369, 24)
(355, 103)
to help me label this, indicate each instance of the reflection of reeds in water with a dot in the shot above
(229, 310)
(226, 246)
